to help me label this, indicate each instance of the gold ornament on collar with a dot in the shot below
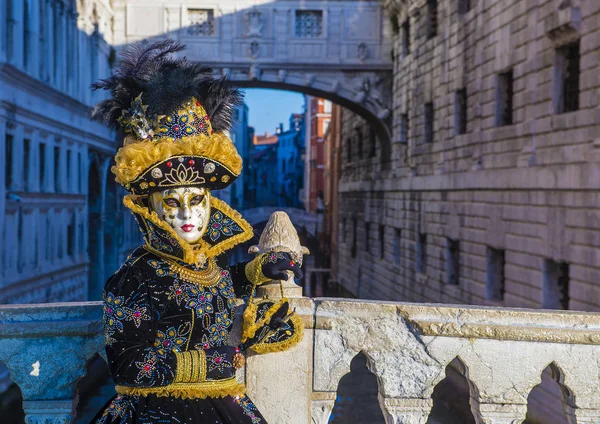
(207, 277)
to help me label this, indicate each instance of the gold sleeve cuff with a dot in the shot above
(253, 271)
(191, 366)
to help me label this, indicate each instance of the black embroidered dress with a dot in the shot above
(157, 309)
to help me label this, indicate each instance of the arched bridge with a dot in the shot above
(338, 50)
(299, 217)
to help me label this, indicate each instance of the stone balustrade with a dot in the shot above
(502, 354)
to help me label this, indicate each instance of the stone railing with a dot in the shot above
(502, 354)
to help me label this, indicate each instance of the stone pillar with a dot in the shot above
(33, 168)
(3, 24)
(2, 182)
(48, 411)
(405, 411)
(49, 35)
(15, 55)
(18, 172)
(280, 383)
(502, 413)
(33, 53)
(64, 45)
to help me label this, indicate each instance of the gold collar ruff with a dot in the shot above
(226, 229)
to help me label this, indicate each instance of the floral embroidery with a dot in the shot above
(147, 367)
(113, 313)
(273, 257)
(217, 361)
(248, 408)
(171, 340)
(221, 224)
(205, 344)
(178, 291)
(120, 407)
(199, 300)
(137, 315)
(162, 269)
(116, 310)
(219, 331)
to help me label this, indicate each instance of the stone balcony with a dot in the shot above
(501, 354)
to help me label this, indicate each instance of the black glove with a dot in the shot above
(274, 264)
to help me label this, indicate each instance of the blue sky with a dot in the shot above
(267, 108)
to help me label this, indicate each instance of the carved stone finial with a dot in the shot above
(280, 235)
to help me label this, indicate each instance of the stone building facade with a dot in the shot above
(489, 194)
(60, 210)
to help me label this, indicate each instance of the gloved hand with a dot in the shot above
(276, 321)
(272, 266)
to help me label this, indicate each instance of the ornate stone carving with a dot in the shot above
(362, 52)
(254, 23)
(254, 50)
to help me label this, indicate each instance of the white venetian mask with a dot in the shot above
(185, 209)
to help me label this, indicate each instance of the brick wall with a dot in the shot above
(528, 190)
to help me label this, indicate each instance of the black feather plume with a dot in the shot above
(165, 82)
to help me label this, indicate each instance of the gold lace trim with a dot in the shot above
(205, 389)
(253, 270)
(204, 277)
(250, 325)
(262, 348)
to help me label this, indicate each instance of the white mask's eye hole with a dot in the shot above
(196, 200)
(174, 203)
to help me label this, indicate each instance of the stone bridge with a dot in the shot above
(502, 355)
(338, 50)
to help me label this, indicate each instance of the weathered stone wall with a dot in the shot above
(528, 189)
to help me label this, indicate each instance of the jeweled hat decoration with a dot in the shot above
(175, 115)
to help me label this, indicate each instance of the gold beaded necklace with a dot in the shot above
(207, 277)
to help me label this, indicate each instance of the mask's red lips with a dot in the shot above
(187, 227)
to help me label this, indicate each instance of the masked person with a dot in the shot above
(169, 309)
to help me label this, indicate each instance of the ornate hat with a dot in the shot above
(175, 115)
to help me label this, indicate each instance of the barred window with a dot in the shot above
(404, 128)
(42, 165)
(452, 261)
(8, 149)
(428, 122)
(555, 288)
(494, 278)
(432, 18)
(353, 247)
(504, 99)
(309, 23)
(421, 253)
(405, 38)
(26, 159)
(57, 169)
(201, 22)
(567, 72)
(381, 241)
(460, 111)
